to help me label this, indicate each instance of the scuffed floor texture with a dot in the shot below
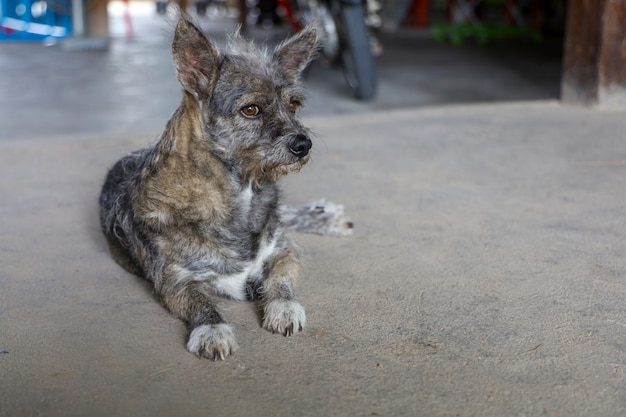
(486, 277)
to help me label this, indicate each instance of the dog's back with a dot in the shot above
(116, 217)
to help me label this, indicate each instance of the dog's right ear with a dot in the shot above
(196, 59)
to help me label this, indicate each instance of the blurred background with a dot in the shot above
(109, 68)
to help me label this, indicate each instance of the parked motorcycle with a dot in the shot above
(344, 34)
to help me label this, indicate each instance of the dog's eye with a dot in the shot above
(251, 111)
(294, 105)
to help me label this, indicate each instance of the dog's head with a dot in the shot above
(248, 98)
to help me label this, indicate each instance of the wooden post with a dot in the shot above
(594, 62)
(91, 27)
(613, 54)
(97, 19)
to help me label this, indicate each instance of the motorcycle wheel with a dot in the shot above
(356, 53)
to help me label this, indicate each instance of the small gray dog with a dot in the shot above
(198, 213)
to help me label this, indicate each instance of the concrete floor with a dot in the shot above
(486, 276)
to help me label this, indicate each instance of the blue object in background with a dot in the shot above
(35, 19)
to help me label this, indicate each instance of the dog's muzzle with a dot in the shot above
(300, 146)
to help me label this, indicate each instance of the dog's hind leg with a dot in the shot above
(209, 335)
(281, 312)
(321, 217)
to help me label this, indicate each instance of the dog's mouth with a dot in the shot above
(293, 166)
(279, 170)
(273, 170)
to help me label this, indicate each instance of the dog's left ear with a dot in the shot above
(295, 53)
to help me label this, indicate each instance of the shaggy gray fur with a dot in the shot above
(197, 214)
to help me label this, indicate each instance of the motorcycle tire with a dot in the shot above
(358, 61)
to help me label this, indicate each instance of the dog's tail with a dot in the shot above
(321, 217)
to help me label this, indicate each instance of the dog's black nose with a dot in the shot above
(300, 146)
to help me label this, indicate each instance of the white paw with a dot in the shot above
(284, 316)
(212, 341)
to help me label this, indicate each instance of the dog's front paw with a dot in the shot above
(212, 341)
(284, 316)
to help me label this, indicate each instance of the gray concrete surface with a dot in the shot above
(486, 276)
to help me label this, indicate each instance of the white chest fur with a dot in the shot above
(245, 199)
(234, 286)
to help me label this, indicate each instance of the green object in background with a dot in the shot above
(482, 32)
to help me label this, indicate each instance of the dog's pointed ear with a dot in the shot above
(295, 53)
(196, 59)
